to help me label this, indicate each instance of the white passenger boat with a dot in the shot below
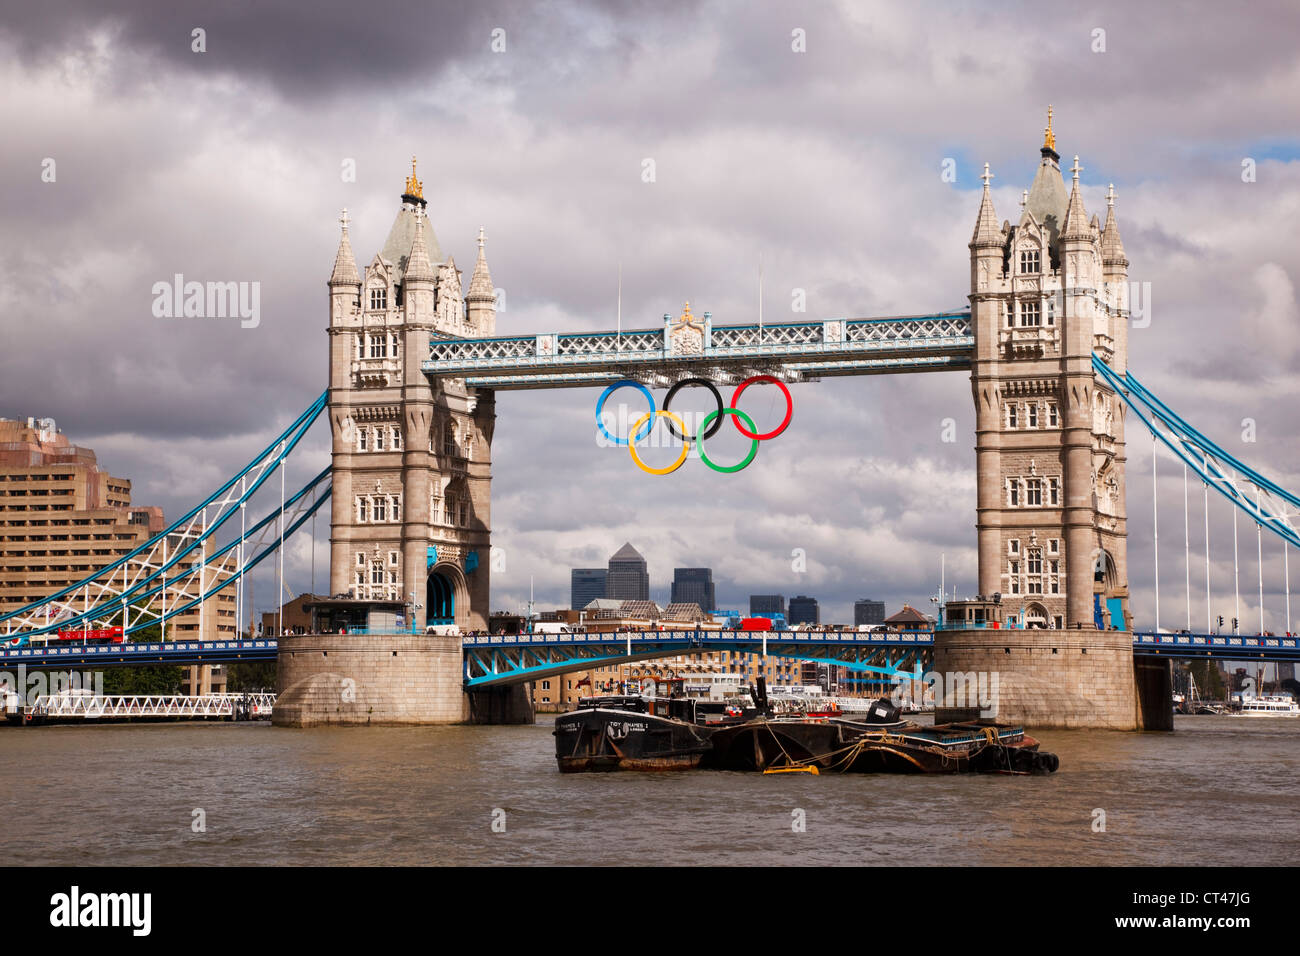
(1276, 705)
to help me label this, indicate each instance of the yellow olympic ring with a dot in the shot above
(631, 445)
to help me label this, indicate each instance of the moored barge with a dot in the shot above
(635, 732)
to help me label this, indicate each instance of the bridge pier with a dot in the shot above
(1155, 692)
(500, 705)
(360, 679)
(1073, 678)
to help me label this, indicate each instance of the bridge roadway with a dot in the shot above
(508, 659)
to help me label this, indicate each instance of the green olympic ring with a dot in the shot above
(708, 420)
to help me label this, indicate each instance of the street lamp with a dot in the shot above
(414, 607)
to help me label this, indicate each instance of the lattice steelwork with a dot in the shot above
(1264, 501)
(692, 346)
(512, 659)
(177, 570)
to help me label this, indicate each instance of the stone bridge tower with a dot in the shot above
(411, 460)
(1047, 292)
(410, 502)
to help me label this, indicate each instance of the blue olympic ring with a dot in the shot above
(600, 407)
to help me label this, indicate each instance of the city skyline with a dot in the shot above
(872, 221)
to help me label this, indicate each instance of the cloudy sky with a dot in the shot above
(825, 165)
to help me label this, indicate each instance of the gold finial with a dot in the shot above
(413, 186)
(1049, 138)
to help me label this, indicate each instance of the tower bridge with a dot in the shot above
(415, 363)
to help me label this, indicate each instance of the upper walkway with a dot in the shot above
(692, 345)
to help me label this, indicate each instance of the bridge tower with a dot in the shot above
(1046, 293)
(412, 459)
(411, 472)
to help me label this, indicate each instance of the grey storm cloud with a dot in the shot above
(822, 166)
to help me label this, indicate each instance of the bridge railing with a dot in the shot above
(858, 638)
(1222, 645)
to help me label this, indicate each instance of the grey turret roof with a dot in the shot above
(345, 264)
(1076, 217)
(1112, 247)
(1047, 201)
(397, 247)
(480, 284)
(418, 266)
(986, 224)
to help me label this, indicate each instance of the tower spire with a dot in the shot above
(1112, 247)
(1076, 220)
(480, 283)
(413, 192)
(1049, 139)
(418, 266)
(986, 225)
(345, 264)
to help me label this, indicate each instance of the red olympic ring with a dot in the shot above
(789, 406)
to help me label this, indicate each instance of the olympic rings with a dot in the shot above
(789, 406)
(717, 397)
(644, 425)
(686, 448)
(729, 469)
(600, 407)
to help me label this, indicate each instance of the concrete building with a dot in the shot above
(585, 586)
(761, 605)
(1047, 293)
(63, 518)
(628, 578)
(694, 585)
(867, 611)
(804, 610)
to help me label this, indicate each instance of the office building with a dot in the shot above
(804, 610)
(868, 612)
(585, 586)
(628, 579)
(761, 605)
(694, 586)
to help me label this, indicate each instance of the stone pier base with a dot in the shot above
(360, 679)
(1049, 678)
(501, 705)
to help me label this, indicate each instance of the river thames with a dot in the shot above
(1220, 790)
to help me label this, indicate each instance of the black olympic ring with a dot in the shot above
(717, 397)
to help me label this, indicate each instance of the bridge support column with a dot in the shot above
(369, 679)
(1155, 692)
(500, 705)
(1074, 678)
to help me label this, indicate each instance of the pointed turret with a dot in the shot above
(987, 232)
(1076, 219)
(345, 264)
(480, 283)
(418, 266)
(481, 298)
(1112, 247)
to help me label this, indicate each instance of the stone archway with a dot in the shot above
(1036, 615)
(444, 594)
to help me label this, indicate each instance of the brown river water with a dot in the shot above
(1219, 790)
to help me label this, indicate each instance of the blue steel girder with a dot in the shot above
(513, 659)
(1264, 501)
(1230, 647)
(659, 357)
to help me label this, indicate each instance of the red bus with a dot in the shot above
(112, 635)
(756, 624)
